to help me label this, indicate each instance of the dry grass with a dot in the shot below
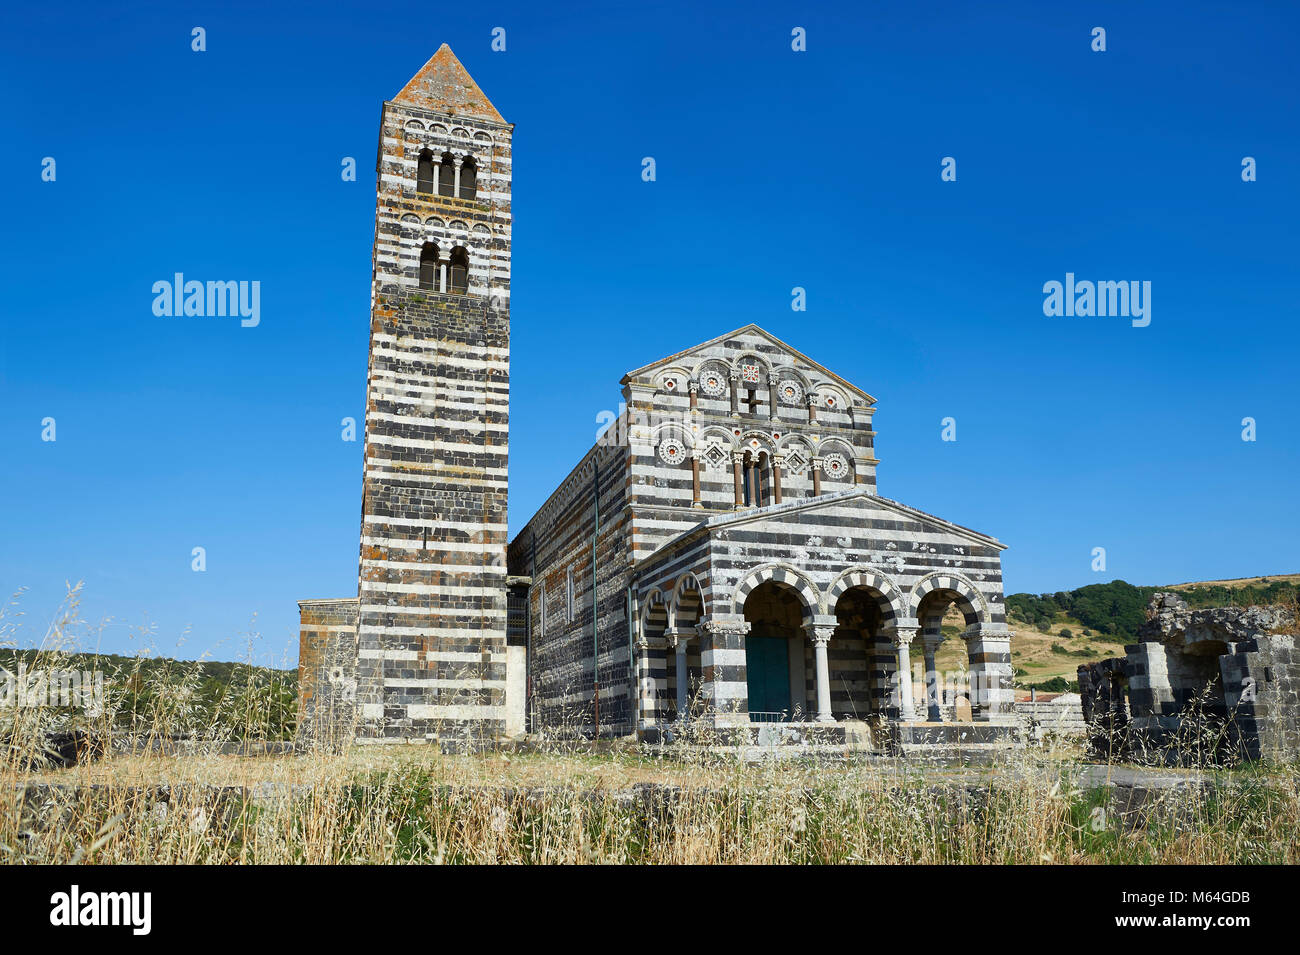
(413, 804)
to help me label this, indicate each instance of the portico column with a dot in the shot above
(771, 397)
(902, 640)
(988, 647)
(812, 408)
(734, 380)
(694, 387)
(737, 462)
(455, 189)
(819, 635)
(932, 698)
(816, 467)
(437, 168)
(777, 462)
(677, 640)
(695, 479)
(724, 696)
(645, 685)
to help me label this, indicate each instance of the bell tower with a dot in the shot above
(431, 634)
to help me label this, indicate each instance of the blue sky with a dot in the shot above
(776, 169)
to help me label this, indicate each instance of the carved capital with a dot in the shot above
(903, 636)
(725, 625)
(819, 636)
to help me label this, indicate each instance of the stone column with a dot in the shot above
(645, 685)
(724, 692)
(771, 397)
(933, 699)
(819, 633)
(677, 639)
(988, 645)
(812, 409)
(734, 381)
(694, 387)
(815, 465)
(902, 641)
(455, 188)
(777, 462)
(695, 479)
(737, 462)
(442, 277)
(437, 171)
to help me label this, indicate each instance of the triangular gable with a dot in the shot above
(443, 85)
(803, 505)
(762, 333)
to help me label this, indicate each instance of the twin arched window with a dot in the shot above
(444, 178)
(444, 275)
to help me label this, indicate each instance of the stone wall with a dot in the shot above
(1219, 683)
(327, 672)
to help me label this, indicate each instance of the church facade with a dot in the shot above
(719, 563)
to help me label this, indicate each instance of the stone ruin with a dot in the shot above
(1215, 685)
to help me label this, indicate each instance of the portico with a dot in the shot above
(827, 640)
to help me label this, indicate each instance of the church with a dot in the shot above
(719, 567)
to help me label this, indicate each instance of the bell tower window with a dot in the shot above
(458, 276)
(447, 176)
(429, 267)
(468, 178)
(425, 177)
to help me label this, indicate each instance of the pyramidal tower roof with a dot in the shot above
(444, 86)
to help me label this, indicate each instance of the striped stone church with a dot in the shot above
(718, 567)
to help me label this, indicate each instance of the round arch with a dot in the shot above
(687, 593)
(969, 600)
(653, 606)
(809, 596)
(887, 594)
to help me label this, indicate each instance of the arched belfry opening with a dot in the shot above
(447, 176)
(458, 273)
(468, 178)
(424, 173)
(429, 267)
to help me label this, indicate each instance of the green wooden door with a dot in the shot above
(767, 671)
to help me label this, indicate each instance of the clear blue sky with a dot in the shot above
(819, 169)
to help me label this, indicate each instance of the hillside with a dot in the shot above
(1056, 632)
(236, 698)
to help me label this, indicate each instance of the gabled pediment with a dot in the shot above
(861, 505)
(748, 346)
(857, 500)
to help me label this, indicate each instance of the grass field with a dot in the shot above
(408, 804)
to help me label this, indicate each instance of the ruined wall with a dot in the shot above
(1221, 682)
(327, 672)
